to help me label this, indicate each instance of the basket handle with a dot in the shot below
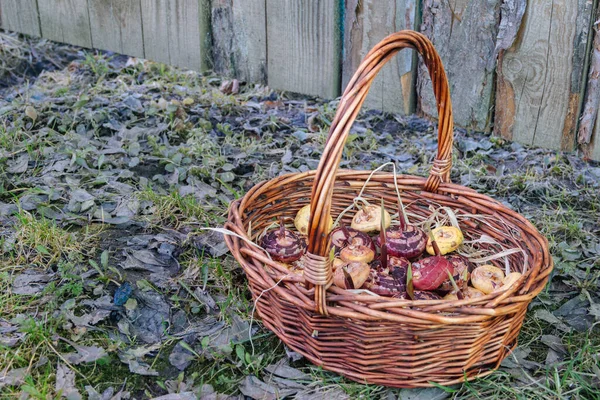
(318, 266)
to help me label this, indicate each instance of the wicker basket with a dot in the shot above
(373, 339)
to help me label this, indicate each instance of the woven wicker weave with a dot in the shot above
(375, 339)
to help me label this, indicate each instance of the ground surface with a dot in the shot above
(110, 289)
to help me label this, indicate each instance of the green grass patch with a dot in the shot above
(173, 210)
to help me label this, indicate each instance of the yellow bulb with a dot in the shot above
(303, 219)
(448, 239)
(368, 219)
(487, 278)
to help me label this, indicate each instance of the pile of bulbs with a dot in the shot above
(400, 261)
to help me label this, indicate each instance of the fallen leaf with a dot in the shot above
(30, 282)
(212, 242)
(65, 383)
(292, 355)
(141, 351)
(198, 189)
(554, 342)
(206, 299)
(423, 394)
(127, 208)
(8, 331)
(287, 157)
(30, 202)
(13, 377)
(85, 354)
(19, 165)
(131, 304)
(148, 322)
(547, 316)
(283, 370)
(11, 339)
(31, 113)
(553, 357)
(177, 396)
(575, 313)
(108, 394)
(257, 389)
(8, 209)
(181, 357)
(138, 367)
(81, 195)
(518, 359)
(134, 104)
(221, 343)
(226, 176)
(328, 392)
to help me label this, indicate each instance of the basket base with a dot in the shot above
(391, 354)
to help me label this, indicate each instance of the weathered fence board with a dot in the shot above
(591, 149)
(116, 25)
(540, 76)
(239, 39)
(589, 110)
(66, 21)
(366, 22)
(20, 16)
(176, 32)
(595, 144)
(464, 33)
(303, 46)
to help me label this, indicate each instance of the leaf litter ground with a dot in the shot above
(109, 288)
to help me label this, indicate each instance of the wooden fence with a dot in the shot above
(519, 67)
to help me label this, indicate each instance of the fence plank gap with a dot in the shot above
(590, 111)
(116, 25)
(20, 16)
(540, 77)
(239, 38)
(66, 21)
(465, 34)
(593, 150)
(367, 22)
(589, 126)
(176, 32)
(304, 46)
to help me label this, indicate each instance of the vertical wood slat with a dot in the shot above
(304, 46)
(239, 39)
(116, 25)
(595, 143)
(176, 32)
(540, 76)
(367, 22)
(20, 16)
(464, 32)
(66, 21)
(592, 149)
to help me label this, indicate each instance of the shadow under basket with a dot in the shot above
(375, 339)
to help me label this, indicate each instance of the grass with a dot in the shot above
(577, 377)
(172, 209)
(41, 242)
